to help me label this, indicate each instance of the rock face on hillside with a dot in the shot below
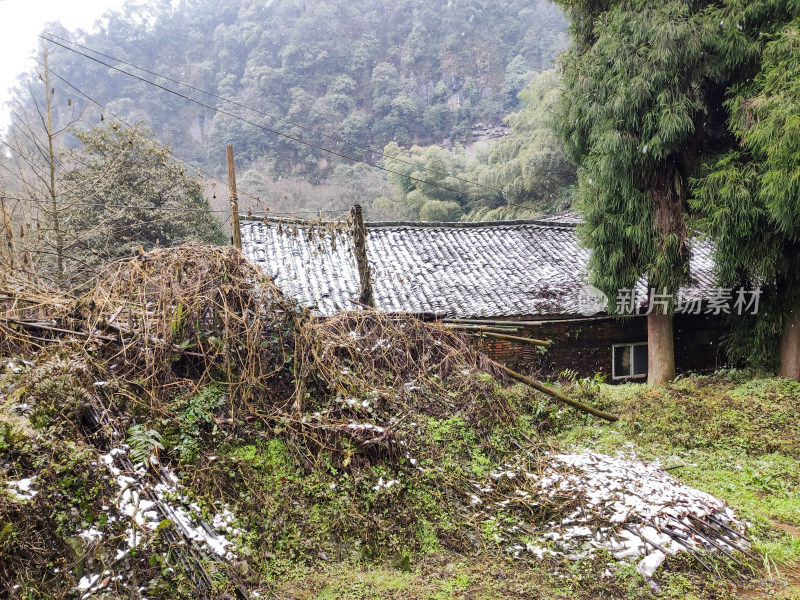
(479, 133)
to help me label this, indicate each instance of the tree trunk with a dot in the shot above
(668, 190)
(51, 161)
(790, 346)
(660, 348)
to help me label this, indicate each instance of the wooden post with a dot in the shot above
(237, 234)
(365, 296)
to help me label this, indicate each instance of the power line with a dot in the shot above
(104, 205)
(265, 128)
(39, 145)
(266, 114)
(195, 168)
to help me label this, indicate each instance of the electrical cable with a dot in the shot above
(265, 114)
(254, 124)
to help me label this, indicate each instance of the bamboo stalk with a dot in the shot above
(92, 336)
(684, 541)
(471, 327)
(708, 539)
(558, 396)
(720, 536)
(484, 322)
(728, 529)
(513, 338)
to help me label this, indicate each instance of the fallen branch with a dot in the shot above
(554, 394)
(45, 327)
(506, 330)
(94, 336)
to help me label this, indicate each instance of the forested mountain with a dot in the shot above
(367, 73)
(517, 176)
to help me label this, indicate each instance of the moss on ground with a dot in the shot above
(355, 523)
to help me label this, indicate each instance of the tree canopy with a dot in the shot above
(125, 192)
(677, 110)
(749, 195)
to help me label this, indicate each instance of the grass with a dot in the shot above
(732, 436)
(737, 440)
(322, 530)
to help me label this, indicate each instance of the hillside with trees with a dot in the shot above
(303, 91)
(358, 75)
(520, 175)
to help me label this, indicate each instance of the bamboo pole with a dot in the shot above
(51, 162)
(495, 329)
(513, 338)
(558, 396)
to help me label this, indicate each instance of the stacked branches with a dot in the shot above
(194, 314)
(374, 373)
(169, 320)
(167, 323)
(382, 426)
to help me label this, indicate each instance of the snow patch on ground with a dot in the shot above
(632, 509)
(22, 489)
(144, 505)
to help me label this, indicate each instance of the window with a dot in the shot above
(629, 360)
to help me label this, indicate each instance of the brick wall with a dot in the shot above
(584, 344)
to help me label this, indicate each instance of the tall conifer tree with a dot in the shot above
(642, 98)
(750, 196)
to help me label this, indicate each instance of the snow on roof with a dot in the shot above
(461, 270)
(571, 217)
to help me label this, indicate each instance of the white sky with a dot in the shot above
(23, 21)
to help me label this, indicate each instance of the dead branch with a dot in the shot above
(558, 396)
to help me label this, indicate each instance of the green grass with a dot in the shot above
(318, 529)
(736, 438)
(738, 441)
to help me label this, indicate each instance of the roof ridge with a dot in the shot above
(419, 224)
(467, 224)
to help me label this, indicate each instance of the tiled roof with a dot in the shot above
(463, 270)
(566, 218)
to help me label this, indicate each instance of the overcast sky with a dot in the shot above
(24, 20)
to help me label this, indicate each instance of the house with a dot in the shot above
(525, 277)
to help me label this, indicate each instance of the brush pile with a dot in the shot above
(166, 318)
(174, 320)
(130, 360)
(570, 505)
(186, 372)
(380, 370)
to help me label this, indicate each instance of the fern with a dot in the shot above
(196, 413)
(144, 444)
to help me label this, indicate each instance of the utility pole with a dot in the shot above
(237, 234)
(365, 295)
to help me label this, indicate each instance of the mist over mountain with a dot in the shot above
(366, 73)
